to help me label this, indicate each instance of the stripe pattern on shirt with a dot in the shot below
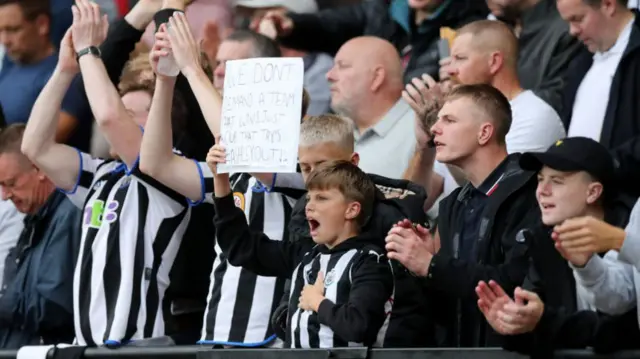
(306, 330)
(131, 232)
(240, 304)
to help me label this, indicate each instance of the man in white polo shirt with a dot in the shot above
(366, 87)
(603, 91)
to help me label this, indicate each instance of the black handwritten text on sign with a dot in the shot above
(260, 118)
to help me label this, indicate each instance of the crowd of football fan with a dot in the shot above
(467, 176)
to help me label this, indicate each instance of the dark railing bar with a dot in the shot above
(205, 352)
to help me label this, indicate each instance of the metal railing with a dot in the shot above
(204, 352)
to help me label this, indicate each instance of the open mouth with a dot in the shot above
(547, 206)
(313, 226)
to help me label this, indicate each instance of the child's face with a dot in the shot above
(327, 213)
(312, 156)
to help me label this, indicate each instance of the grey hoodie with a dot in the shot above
(614, 280)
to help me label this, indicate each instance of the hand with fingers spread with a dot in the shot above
(587, 235)
(89, 27)
(312, 295)
(184, 47)
(67, 61)
(491, 299)
(425, 97)
(412, 246)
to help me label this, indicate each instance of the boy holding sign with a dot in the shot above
(330, 138)
(341, 287)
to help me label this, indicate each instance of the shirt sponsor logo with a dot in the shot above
(99, 212)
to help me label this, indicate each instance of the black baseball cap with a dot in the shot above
(573, 154)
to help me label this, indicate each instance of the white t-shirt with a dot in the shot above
(535, 125)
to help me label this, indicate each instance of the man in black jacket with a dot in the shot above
(601, 96)
(478, 223)
(575, 179)
(412, 26)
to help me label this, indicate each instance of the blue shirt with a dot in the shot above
(20, 86)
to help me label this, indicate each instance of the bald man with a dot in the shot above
(366, 87)
(486, 52)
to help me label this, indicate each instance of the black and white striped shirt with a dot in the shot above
(359, 282)
(359, 297)
(240, 303)
(131, 232)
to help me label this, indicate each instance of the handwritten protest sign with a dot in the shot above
(261, 110)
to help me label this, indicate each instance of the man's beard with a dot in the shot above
(342, 110)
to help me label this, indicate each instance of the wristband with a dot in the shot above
(89, 50)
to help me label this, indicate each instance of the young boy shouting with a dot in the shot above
(341, 288)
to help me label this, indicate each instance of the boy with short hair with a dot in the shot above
(342, 288)
(551, 310)
(329, 138)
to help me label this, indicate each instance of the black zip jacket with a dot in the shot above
(327, 30)
(500, 256)
(621, 129)
(363, 285)
(562, 326)
(411, 324)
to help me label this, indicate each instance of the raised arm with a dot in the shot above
(122, 133)
(251, 250)
(187, 57)
(156, 155)
(58, 161)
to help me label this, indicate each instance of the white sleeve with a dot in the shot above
(610, 281)
(630, 251)
(535, 126)
(89, 171)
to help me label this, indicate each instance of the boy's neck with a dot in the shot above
(349, 232)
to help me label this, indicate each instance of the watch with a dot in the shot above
(89, 50)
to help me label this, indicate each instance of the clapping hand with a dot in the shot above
(89, 27)
(425, 96)
(183, 45)
(587, 235)
(507, 316)
(413, 247)
(67, 62)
